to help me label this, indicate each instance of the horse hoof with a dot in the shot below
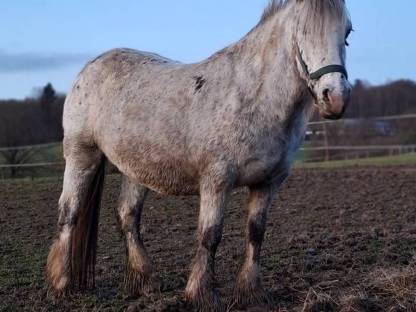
(137, 284)
(132, 308)
(253, 297)
(206, 301)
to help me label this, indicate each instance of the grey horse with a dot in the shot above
(233, 120)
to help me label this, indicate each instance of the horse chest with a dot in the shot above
(269, 161)
(256, 170)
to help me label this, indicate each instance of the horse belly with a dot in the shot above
(166, 178)
(160, 172)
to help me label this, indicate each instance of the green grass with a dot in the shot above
(51, 154)
(48, 154)
(398, 160)
(26, 269)
(54, 155)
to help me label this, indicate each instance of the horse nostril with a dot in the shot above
(325, 94)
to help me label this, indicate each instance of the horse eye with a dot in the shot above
(347, 35)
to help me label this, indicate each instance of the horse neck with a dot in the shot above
(265, 71)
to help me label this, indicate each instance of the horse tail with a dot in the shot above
(85, 232)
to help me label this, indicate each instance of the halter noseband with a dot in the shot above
(322, 71)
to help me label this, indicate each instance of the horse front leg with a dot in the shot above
(200, 289)
(249, 289)
(138, 277)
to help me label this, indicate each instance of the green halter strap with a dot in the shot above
(322, 71)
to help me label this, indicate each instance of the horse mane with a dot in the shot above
(317, 9)
(272, 8)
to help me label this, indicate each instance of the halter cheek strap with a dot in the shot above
(322, 71)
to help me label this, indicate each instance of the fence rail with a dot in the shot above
(350, 152)
(26, 147)
(33, 165)
(323, 150)
(410, 148)
(385, 118)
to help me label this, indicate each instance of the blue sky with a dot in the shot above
(49, 41)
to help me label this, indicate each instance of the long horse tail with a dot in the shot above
(85, 232)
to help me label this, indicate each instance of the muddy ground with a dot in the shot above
(337, 240)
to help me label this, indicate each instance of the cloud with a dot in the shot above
(30, 62)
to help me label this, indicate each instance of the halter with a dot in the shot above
(322, 71)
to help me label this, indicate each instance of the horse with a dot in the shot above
(233, 120)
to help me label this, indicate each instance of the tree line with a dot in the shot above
(28, 122)
(32, 120)
(394, 98)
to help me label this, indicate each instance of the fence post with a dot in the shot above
(326, 141)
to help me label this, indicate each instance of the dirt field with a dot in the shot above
(337, 240)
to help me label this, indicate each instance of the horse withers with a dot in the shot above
(233, 120)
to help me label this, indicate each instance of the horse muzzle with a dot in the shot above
(333, 104)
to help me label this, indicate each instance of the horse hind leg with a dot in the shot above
(138, 277)
(71, 257)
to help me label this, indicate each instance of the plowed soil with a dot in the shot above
(337, 240)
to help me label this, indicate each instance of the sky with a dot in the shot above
(45, 41)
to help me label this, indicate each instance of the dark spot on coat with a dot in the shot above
(211, 238)
(256, 231)
(199, 83)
